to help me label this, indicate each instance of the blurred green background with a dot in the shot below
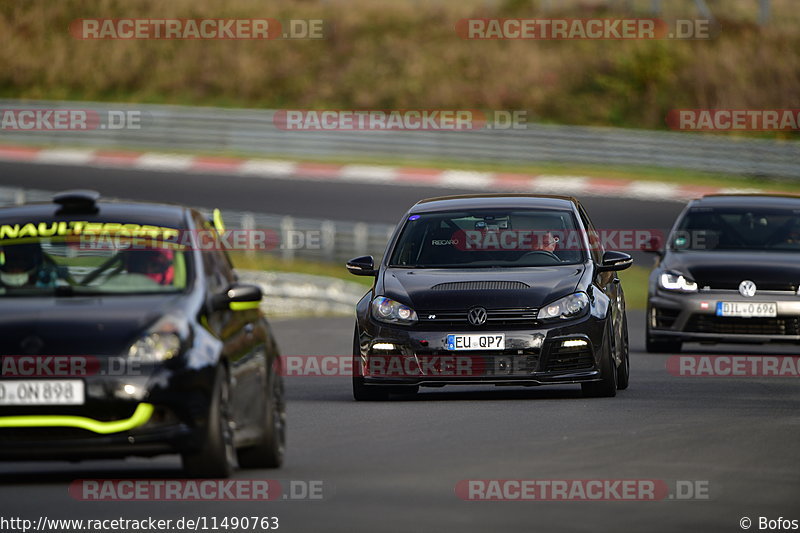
(406, 54)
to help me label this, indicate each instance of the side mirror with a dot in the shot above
(362, 266)
(614, 261)
(654, 246)
(239, 297)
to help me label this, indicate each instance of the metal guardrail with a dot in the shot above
(288, 294)
(252, 131)
(295, 238)
(314, 239)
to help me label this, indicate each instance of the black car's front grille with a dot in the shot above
(665, 317)
(494, 317)
(569, 359)
(481, 286)
(743, 326)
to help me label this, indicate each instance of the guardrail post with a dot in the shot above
(287, 230)
(328, 238)
(19, 196)
(360, 238)
(389, 232)
(248, 224)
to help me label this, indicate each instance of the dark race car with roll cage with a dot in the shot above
(729, 273)
(119, 339)
(503, 289)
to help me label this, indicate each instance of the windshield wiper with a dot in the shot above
(72, 290)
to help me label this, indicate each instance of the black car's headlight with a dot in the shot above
(571, 306)
(155, 347)
(387, 310)
(675, 281)
(161, 342)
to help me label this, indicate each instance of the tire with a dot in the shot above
(269, 451)
(216, 456)
(624, 369)
(372, 393)
(607, 386)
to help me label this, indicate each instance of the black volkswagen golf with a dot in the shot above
(506, 289)
(124, 331)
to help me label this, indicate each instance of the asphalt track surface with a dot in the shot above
(298, 197)
(394, 466)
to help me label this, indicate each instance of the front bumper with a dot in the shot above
(166, 413)
(692, 317)
(533, 355)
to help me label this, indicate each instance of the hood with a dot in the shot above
(458, 289)
(726, 270)
(77, 325)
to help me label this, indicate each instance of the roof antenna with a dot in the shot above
(77, 201)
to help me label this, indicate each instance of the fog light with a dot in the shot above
(574, 343)
(383, 346)
(130, 392)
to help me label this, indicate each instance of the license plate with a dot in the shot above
(488, 341)
(42, 392)
(747, 309)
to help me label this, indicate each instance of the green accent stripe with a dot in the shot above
(243, 306)
(142, 414)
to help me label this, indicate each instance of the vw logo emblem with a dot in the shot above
(477, 316)
(747, 288)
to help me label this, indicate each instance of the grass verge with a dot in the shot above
(634, 282)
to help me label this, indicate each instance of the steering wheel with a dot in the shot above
(544, 253)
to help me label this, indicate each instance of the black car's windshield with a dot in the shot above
(489, 238)
(36, 267)
(743, 229)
